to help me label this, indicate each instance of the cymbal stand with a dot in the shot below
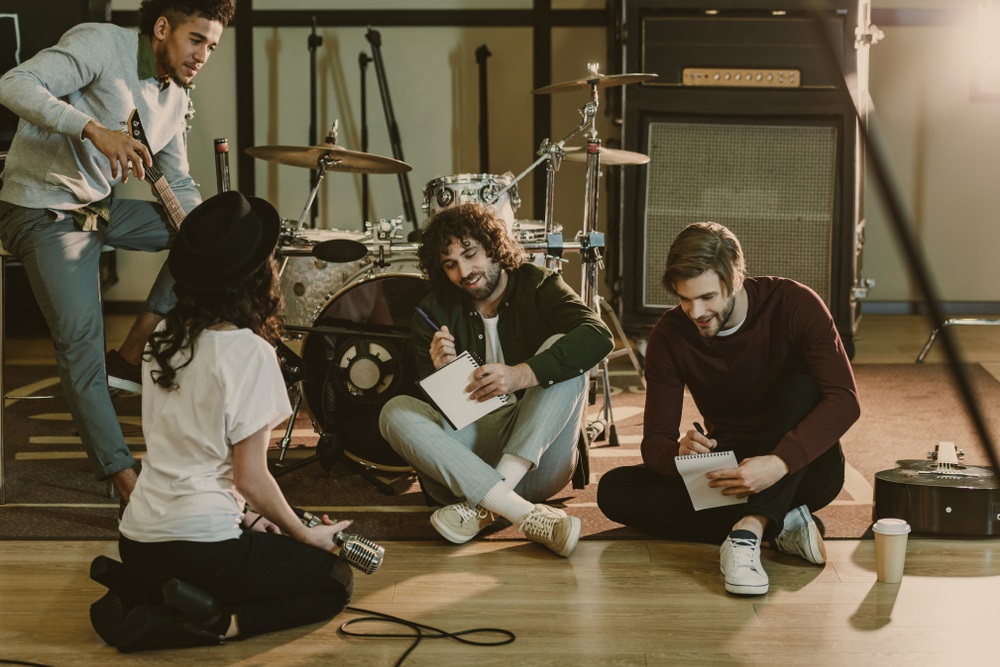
(591, 246)
(321, 166)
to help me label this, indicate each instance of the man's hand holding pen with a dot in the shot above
(442, 347)
(695, 441)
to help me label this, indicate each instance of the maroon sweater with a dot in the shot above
(788, 330)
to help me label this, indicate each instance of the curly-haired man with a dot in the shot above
(57, 209)
(538, 340)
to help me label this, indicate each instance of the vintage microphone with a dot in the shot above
(357, 551)
(222, 164)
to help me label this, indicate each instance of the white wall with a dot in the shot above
(945, 149)
(944, 146)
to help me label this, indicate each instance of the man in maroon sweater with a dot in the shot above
(767, 369)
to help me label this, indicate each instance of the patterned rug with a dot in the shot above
(51, 493)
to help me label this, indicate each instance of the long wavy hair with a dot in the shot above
(178, 11)
(467, 221)
(252, 304)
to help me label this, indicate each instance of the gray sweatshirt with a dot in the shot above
(97, 72)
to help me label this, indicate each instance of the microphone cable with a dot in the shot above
(420, 632)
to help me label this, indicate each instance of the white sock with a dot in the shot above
(502, 500)
(513, 468)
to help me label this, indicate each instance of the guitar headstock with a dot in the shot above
(135, 130)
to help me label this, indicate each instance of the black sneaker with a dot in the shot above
(121, 374)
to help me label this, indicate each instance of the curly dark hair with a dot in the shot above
(253, 304)
(467, 221)
(177, 11)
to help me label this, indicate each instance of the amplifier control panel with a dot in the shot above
(741, 78)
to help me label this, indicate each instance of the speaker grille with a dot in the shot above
(772, 185)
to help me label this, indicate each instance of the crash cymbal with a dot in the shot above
(600, 80)
(337, 159)
(609, 156)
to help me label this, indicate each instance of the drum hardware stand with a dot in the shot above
(363, 60)
(966, 321)
(383, 233)
(314, 42)
(375, 39)
(293, 370)
(482, 53)
(591, 244)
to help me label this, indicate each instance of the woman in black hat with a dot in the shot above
(212, 392)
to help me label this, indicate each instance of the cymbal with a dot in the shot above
(609, 156)
(337, 159)
(600, 80)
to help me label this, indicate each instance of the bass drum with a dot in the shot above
(358, 356)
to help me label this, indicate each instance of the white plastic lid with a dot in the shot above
(891, 527)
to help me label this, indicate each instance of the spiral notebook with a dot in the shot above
(445, 388)
(694, 467)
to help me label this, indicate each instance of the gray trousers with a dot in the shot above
(62, 264)
(542, 427)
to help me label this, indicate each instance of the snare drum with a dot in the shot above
(357, 358)
(447, 191)
(306, 282)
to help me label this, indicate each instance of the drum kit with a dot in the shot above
(350, 296)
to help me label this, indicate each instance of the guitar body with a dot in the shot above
(959, 500)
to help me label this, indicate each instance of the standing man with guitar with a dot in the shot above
(57, 209)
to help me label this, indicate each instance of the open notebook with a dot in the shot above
(445, 388)
(694, 467)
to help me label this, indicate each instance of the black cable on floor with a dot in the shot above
(3, 661)
(418, 631)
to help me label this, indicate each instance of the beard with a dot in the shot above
(490, 280)
(721, 319)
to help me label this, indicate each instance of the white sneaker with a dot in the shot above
(460, 522)
(552, 528)
(800, 536)
(739, 561)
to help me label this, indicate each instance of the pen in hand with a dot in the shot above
(698, 427)
(427, 318)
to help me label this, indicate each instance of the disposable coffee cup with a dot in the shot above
(890, 549)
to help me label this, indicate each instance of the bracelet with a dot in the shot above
(254, 522)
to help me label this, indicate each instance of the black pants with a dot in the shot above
(271, 582)
(639, 497)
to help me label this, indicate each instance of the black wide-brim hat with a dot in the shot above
(223, 241)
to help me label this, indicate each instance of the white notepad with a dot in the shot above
(445, 387)
(694, 467)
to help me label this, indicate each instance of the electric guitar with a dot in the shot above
(157, 181)
(941, 495)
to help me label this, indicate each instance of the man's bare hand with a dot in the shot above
(123, 152)
(499, 379)
(694, 442)
(753, 475)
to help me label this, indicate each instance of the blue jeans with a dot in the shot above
(62, 265)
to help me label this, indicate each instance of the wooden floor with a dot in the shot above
(612, 603)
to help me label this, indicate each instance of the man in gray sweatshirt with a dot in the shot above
(57, 209)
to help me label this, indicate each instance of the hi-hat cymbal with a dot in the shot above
(609, 156)
(599, 80)
(336, 157)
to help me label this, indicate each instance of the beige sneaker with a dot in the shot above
(460, 522)
(552, 528)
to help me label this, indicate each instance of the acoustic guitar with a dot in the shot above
(157, 181)
(940, 496)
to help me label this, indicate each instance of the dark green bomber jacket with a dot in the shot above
(536, 305)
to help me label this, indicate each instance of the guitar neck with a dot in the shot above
(166, 197)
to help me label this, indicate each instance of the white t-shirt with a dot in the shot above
(232, 389)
